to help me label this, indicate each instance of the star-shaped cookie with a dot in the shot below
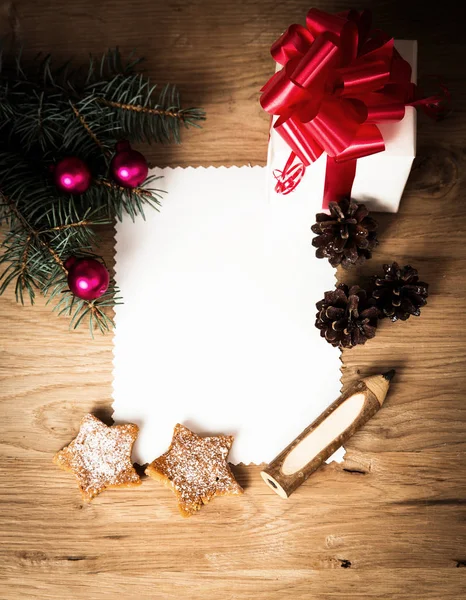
(196, 469)
(100, 457)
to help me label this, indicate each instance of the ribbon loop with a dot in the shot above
(360, 79)
(301, 142)
(294, 42)
(314, 65)
(288, 179)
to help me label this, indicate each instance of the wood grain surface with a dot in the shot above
(389, 523)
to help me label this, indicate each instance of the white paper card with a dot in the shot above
(380, 178)
(217, 326)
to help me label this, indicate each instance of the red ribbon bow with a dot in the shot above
(339, 79)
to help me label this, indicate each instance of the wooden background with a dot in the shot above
(388, 523)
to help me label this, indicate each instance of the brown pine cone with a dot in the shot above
(347, 317)
(347, 235)
(399, 293)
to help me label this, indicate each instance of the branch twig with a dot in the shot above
(91, 134)
(83, 223)
(36, 234)
(143, 109)
(115, 186)
(24, 260)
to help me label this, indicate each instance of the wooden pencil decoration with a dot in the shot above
(326, 434)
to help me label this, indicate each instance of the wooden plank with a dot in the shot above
(295, 584)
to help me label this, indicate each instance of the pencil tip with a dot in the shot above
(389, 375)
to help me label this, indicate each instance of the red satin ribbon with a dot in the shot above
(339, 80)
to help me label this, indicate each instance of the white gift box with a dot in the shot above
(380, 178)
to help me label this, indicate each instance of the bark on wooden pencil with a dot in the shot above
(326, 434)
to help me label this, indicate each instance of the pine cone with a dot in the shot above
(347, 235)
(399, 293)
(347, 317)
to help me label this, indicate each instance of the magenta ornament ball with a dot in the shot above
(87, 278)
(72, 175)
(129, 168)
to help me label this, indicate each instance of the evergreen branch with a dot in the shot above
(111, 63)
(78, 310)
(24, 280)
(140, 116)
(89, 131)
(27, 284)
(35, 234)
(118, 200)
(179, 114)
(24, 259)
(19, 257)
(115, 187)
(83, 223)
(18, 215)
(52, 253)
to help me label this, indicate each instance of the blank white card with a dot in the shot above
(217, 326)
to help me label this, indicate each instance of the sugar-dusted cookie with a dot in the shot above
(100, 457)
(196, 469)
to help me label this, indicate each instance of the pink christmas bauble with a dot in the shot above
(129, 168)
(87, 278)
(72, 175)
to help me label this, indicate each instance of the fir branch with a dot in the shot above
(119, 200)
(115, 187)
(111, 64)
(35, 234)
(53, 254)
(140, 115)
(83, 223)
(89, 131)
(24, 280)
(18, 215)
(92, 133)
(95, 311)
(180, 114)
(24, 260)
(18, 258)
